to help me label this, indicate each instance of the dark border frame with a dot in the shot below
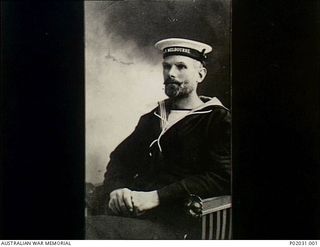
(275, 120)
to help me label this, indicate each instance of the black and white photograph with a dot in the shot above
(158, 119)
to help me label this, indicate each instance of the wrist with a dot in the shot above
(155, 198)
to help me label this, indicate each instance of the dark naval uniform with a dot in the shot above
(189, 156)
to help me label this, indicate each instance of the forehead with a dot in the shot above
(179, 59)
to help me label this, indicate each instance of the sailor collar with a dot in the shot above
(162, 113)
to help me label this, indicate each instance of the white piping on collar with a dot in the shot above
(159, 116)
(211, 102)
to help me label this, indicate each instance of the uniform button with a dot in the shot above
(135, 176)
(150, 154)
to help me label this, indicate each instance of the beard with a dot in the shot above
(174, 88)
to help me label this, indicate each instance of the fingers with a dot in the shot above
(122, 206)
(127, 202)
(120, 201)
(113, 205)
(127, 199)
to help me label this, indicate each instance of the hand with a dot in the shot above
(143, 201)
(121, 201)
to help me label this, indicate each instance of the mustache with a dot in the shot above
(171, 81)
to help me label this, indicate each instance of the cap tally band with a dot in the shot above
(184, 51)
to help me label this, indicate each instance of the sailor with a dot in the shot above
(180, 148)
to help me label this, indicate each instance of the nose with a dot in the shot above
(172, 72)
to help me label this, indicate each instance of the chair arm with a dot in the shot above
(198, 207)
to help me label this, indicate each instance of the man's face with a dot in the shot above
(181, 75)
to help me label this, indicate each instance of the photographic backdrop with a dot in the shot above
(123, 72)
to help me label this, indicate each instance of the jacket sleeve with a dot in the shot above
(216, 177)
(125, 160)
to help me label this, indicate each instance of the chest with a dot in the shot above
(184, 141)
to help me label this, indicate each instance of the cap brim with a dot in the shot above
(178, 42)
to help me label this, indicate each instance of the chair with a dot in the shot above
(214, 216)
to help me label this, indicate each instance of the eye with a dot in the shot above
(181, 66)
(166, 66)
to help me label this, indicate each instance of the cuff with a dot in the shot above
(171, 193)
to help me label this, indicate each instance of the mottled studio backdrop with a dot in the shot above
(123, 70)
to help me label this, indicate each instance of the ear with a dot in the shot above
(202, 74)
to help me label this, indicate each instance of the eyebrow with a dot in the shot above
(177, 63)
(180, 63)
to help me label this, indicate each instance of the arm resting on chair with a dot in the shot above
(197, 207)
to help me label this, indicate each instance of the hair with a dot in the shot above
(198, 64)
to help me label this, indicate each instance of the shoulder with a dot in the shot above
(222, 112)
(219, 114)
(148, 118)
(150, 114)
(215, 108)
(219, 121)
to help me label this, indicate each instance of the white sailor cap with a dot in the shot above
(184, 47)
